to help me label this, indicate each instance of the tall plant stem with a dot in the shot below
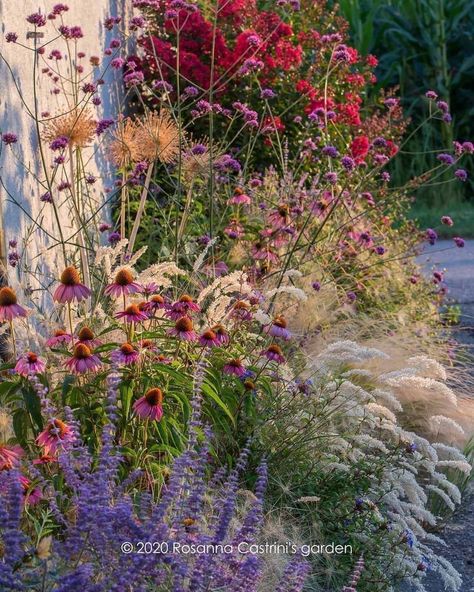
(141, 208)
(123, 206)
(76, 207)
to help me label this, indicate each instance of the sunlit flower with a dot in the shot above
(70, 287)
(240, 198)
(183, 329)
(278, 328)
(87, 337)
(274, 353)
(32, 495)
(30, 363)
(156, 302)
(83, 360)
(125, 146)
(158, 137)
(222, 336)
(150, 406)
(234, 367)
(77, 126)
(208, 339)
(9, 309)
(55, 436)
(9, 456)
(132, 314)
(123, 285)
(182, 307)
(126, 354)
(60, 336)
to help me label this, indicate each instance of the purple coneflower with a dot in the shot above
(222, 336)
(87, 337)
(234, 368)
(123, 285)
(278, 328)
(60, 336)
(274, 353)
(55, 436)
(150, 406)
(9, 456)
(30, 363)
(70, 287)
(132, 314)
(32, 496)
(208, 339)
(156, 302)
(183, 329)
(182, 307)
(240, 198)
(150, 288)
(9, 309)
(459, 242)
(126, 354)
(83, 360)
(241, 310)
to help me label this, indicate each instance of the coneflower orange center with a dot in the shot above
(123, 277)
(280, 322)
(7, 297)
(209, 335)
(31, 357)
(185, 298)
(275, 349)
(60, 333)
(70, 276)
(85, 334)
(81, 352)
(154, 396)
(184, 324)
(58, 425)
(132, 309)
(127, 348)
(158, 299)
(236, 363)
(239, 305)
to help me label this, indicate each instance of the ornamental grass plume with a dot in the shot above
(158, 137)
(77, 127)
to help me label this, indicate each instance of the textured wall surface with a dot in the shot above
(16, 103)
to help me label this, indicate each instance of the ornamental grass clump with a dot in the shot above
(251, 190)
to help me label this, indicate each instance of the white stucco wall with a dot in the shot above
(90, 15)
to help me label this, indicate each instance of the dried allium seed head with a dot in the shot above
(78, 126)
(70, 276)
(125, 146)
(7, 297)
(154, 396)
(159, 137)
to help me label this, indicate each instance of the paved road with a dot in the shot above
(459, 277)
